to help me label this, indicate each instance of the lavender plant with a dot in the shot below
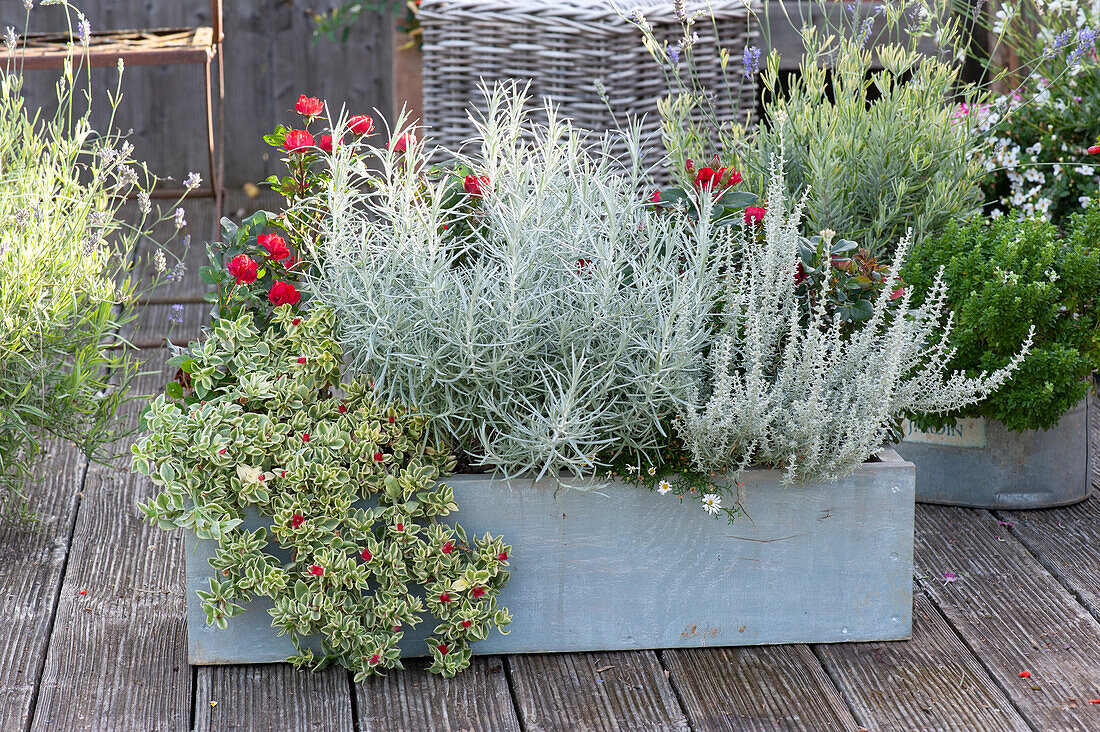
(539, 315)
(811, 395)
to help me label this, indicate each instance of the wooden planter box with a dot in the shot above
(625, 568)
(981, 464)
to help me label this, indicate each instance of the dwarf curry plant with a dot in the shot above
(348, 546)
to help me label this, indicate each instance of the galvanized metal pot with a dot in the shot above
(624, 568)
(981, 464)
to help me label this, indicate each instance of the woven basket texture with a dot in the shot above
(561, 48)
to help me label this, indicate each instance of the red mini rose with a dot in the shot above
(655, 198)
(476, 185)
(309, 106)
(324, 142)
(1094, 150)
(243, 269)
(283, 293)
(275, 245)
(717, 178)
(754, 214)
(403, 142)
(361, 125)
(297, 140)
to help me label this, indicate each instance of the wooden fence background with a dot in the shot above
(270, 58)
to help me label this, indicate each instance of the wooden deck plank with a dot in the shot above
(155, 323)
(272, 697)
(932, 682)
(413, 699)
(32, 560)
(761, 688)
(1014, 615)
(117, 659)
(615, 691)
(1067, 542)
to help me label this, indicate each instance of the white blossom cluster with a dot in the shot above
(800, 394)
(571, 321)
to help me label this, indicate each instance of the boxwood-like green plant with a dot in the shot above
(351, 550)
(1002, 277)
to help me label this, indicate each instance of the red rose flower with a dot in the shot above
(366, 555)
(316, 571)
(275, 245)
(243, 269)
(297, 140)
(445, 597)
(309, 106)
(717, 179)
(800, 275)
(655, 198)
(297, 520)
(478, 591)
(448, 547)
(1094, 150)
(283, 293)
(754, 214)
(403, 142)
(503, 556)
(324, 142)
(475, 185)
(443, 649)
(361, 124)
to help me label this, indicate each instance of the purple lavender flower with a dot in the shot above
(176, 316)
(751, 61)
(865, 31)
(83, 29)
(181, 218)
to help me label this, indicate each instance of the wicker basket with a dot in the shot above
(561, 48)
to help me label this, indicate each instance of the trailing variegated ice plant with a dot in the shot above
(799, 388)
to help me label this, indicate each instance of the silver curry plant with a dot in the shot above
(569, 323)
(792, 389)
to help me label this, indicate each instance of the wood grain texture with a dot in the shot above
(117, 657)
(155, 323)
(32, 558)
(624, 691)
(413, 699)
(188, 246)
(1014, 615)
(274, 698)
(932, 682)
(763, 688)
(1066, 541)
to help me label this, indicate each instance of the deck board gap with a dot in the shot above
(355, 726)
(674, 682)
(815, 649)
(507, 661)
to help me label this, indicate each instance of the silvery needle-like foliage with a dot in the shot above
(571, 322)
(801, 394)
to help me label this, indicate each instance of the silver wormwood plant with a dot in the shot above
(571, 321)
(797, 392)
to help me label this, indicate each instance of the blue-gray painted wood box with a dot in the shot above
(626, 568)
(981, 464)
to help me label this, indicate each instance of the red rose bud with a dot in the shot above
(301, 359)
(309, 106)
(374, 660)
(689, 165)
(296, 321)
(324, 142)
(379, 457)
(283, 293)
(243, 269)
(1094, 150)
(448, 547)
(275, 245)
(403, 142)
(366, 555)
(342, 409)
(443, 649)
(297, 140)
(503, 556)
(316, 571)
(478, 591)
(401, 527)
(754, 214)
(297, 520)
(476, 186)
(655, 198)
(465, 623)
(445, 597)
(390, 419)
(305, 437)
(361, 125)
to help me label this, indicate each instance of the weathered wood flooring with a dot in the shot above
(92, 632)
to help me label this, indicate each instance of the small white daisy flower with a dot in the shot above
(652, 470)
(712, 503)
(664, 487)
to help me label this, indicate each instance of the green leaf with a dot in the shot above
(737, 199)
(174, 390)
